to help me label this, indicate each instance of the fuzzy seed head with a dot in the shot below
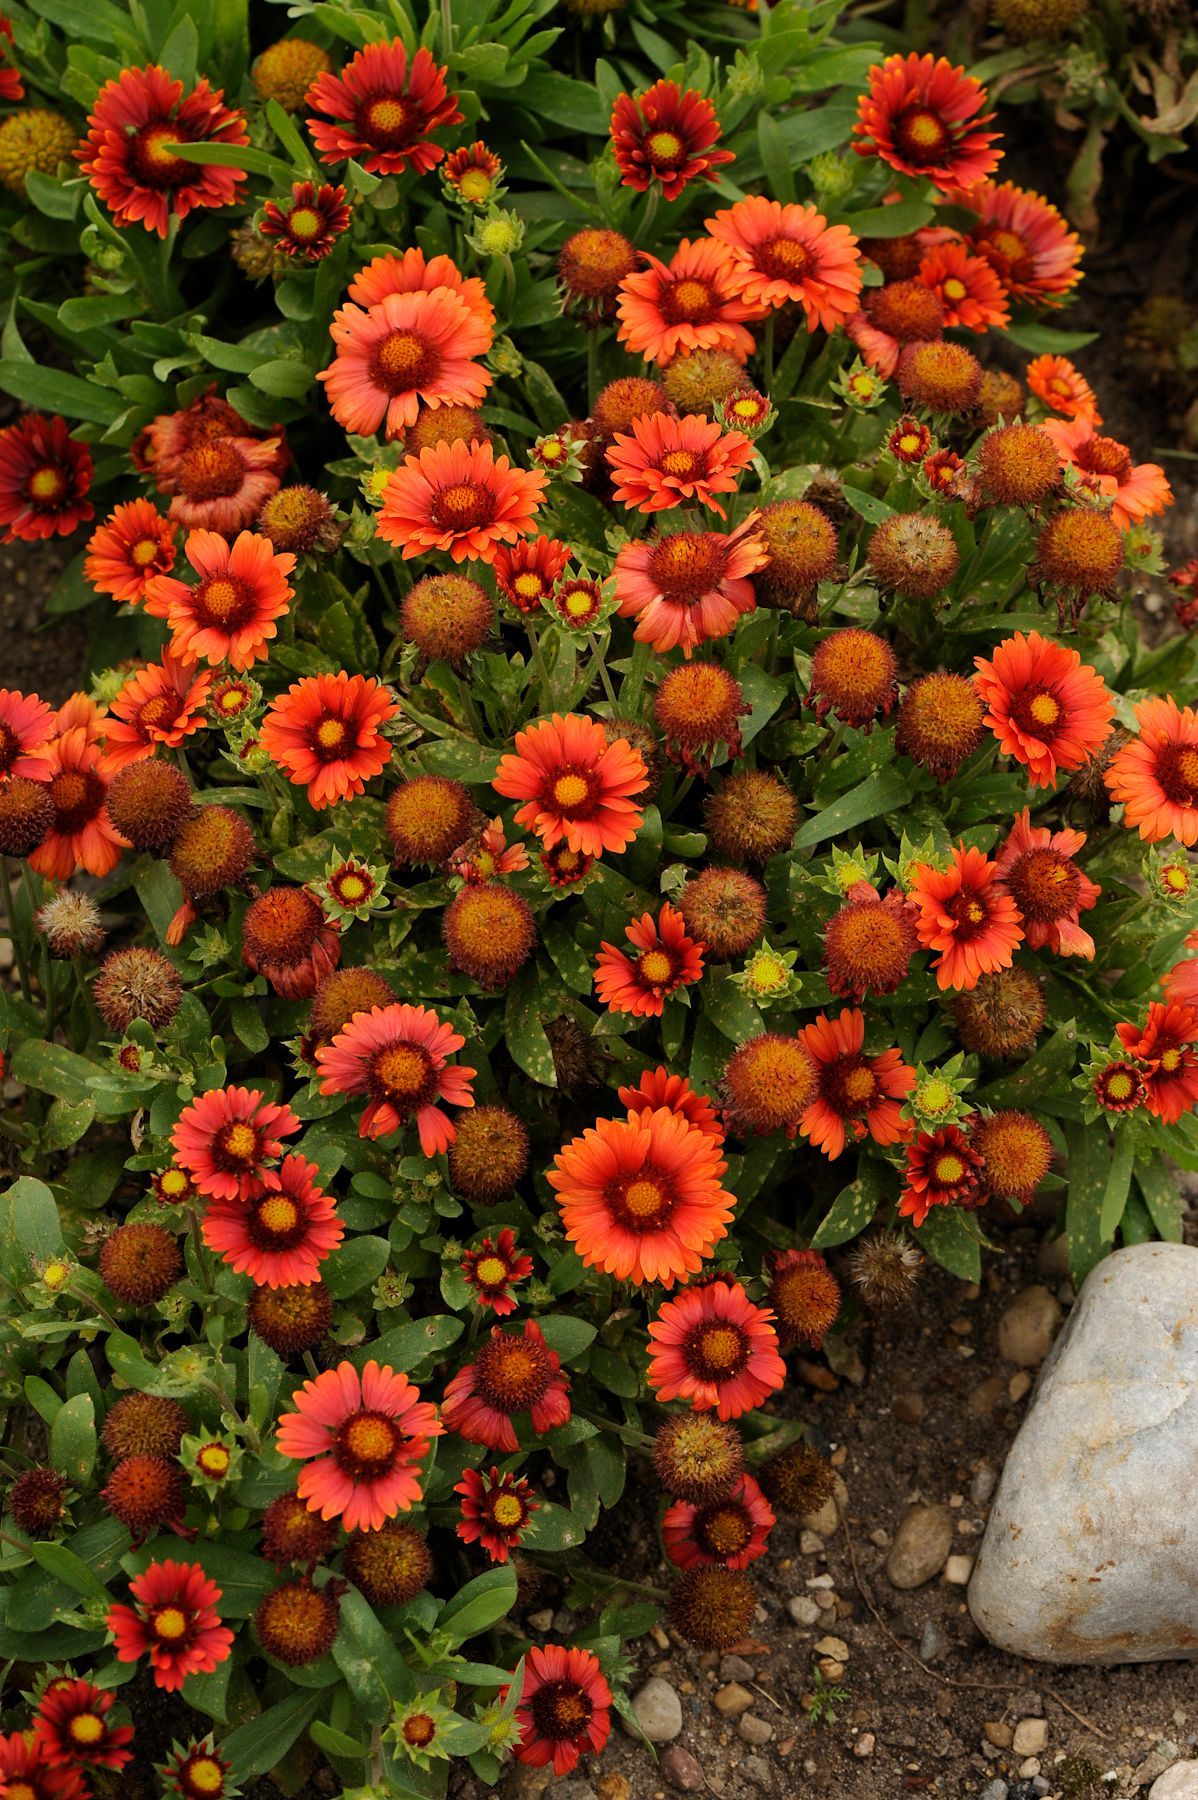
(1001, 399)
(1080, 549)
(907, 311)
(1016, 1153)
(852, 675)
(70, 923)
(137, 984)
(913, 554)
(293, 1536)
(144, 1425)
(797, 1480)
(297, 1623)
(489, 933)
(725, 909)
(148, 802)
(943, 378)
(697, 380)
(212, 851)
(291, 1319)
(286, 70)
(1018, 465)
(341, 995)
(941, 721)
(140, 1263)
(697, 1456)
(489, 1154)
(751, 816)
(299, 519)
(769, 1083)
(37, 1502)
(802, 545)
(391, 1566)
(144, 1492)
(445, 425)
(427, 818)
(620, 402)
(26, 815)
(712, 1608)
(884, 1267)
(1002, 1016)
(447, 617)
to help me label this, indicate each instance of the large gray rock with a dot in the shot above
(1091, 1550)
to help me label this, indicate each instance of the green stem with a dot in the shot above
(48, 995)
(91, 1301)
(601, 665)
(10, 921)
(447, 26)
(201, 1258)
(633, 685)
(538, 661)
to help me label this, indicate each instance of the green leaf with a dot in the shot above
(571, 964)
(479, 1605)
(1043, 1069)
(568, 1337)
(1161, 1198)
(73, 1440)
(1118, 1186)
(65, 1566)
(283, 378)
(890, 221)
(880, 793)
(30, 1231)
(337, 1743)
(1046, 340)
(408, 1345)
(258, 1747)
(553, 1528)
(54, 197)
(52, 390)
(66, 1123)
(53, 1069)
(775, 158)
(1088, 1155)
(373, 1669)
(851, 1211)
(353, 1266)
(951, 1239)
(524, 1034)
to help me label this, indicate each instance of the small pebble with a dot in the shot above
(736, 1668)
(1019, 1387)
(810, 1543)
(921, 1543)
(757, 1770)
(983, 1485)
(658, 1710)
(864, 1745)
(909, 1409)
(802, 1610)
(832, 1646)
(680, 1769)
(754, 1730)
(1031, 1736)
(932, 1642)
(998, 1733)
(1028, 1327)
(994, 1790)
(958, 1569)
(541, 1621)
(732, 1700)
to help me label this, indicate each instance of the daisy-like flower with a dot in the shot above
(127, 154)
(225, 1138)
(967, 916)
(195, 1770)
(44, 478)
(495, 1511)
(12, 88)
(382, 111)
(1167, 1045)
(26, 1773)
(282, 1232)
(411, 272)
(666, 135)
(640, 1197)
(1038, 870)
(71, 1727)
(1047, 708)
(1032, 250)
(574, 785)
(26, 726)
(666, 958)
(488, 855)
(730, 1532)
(666, 462)
(404, 351)
(1155, 776)
(943, 1169)
(790, 253)
(309, 224)
(512, 1373)
(492, 1268)
(230, 613)
(859, 1096)
(1063, 388)
(219, 484)
(713, 1348)
(134, 544)
(325, 731)
(473, 173)
(657, 1088)
(175, 1623)
(161, 704)
(564, 1708)
(1136, 490)
(691, 303)
(686, 587)
(527, 572)
(81, 835)
(1180, 983)
(461, 498)
(361, 1439)
(398, 1058)
(161, 449)
(966, 285)
(924, 117)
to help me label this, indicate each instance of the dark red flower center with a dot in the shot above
(158, 713)
(404, 1075)
(329, 738)
(419, 1730)
(236, 1147)
(151, 161)
(387, 121)
(579, 602)
(352, 886)
(970, 915)
(561, 1710)
(665, 149)
(687, 564)
(1177, 772)
(688, 301)
(403, 360)
(644, 1201)
(921, 135)
(1105, 456)
(571, 792)
(1007, 251)
(724, 1530)
(211, 471)
(785, 258)
(1119, 1087)
(1037, 712)
(45, 487)
(684, 465)
(463, 506)
(948, 1169)
(223, 603)
(512, 1373)
(715, 1350)
(77, 795)
(276, 1222)
(367, 1445)
(849, 1085)
(1045, 885)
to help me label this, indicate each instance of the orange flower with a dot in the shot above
(361, 1439)
(790, 253)
(1155, 777)
(527, 573)
(1167, 1045)
(657, 1088)
(690, 304)
(230, 612)
(219, 484)
(26, 726)
(325, 732)
(666, 135)
(1033, 252)
(667, 959)
(44, 476)
(397, 1058)
(406, 349)
(309, 223)
(1047, 708)
(412, 273)
(966, 915)
(640, 1198)
(666, 462)
(689, 586)
(461, 498)
(382, 111)
(134, 544)
(81, 836)
(859, 1096)
(966, 286)
(127, 157)
(712, 1347)
(1135, 490)
(574, 784)
(1037, 868)
(924, 117)
(1063, 388)
(162, 704)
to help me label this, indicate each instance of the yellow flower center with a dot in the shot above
(720, 1347)
(656, 967)
(330, 734)
(475, 185)
(949, 1169)
(1045, 710)
(278, 1215)
(569, 790)
(45, 484)
(206, 1774)
(87, 1728)
(371, 1440)
(528, 586)
(170, 1623)
(935, 1097)
(351, 888)
(304, 223)
(221, 598)
(643, 1199)
(767, 974)
(54, 1274)
(1119, 1086)
(507, 1510)
(1171, 1060)
(859, 1084)
(955, 289)
(664, 146)
(144, 552)
(214, 1460)
(241, 1141)
(491, 1271)
(401, 1069)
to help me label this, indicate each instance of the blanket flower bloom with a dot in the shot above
(1047, 708)
(26, 727)
(461, 498)
(1026, 241)
(231, 612)
(564, 1708)
(858, 1095)
(382, 111)
(44, 479)
(730, 1532)
(282, 1233)
(308, 225)
(361, 1439)
(712, 1347)
(398, 1057)
(666, 958)
(943, 1169)
(134, 544)
(325, 731)
(790, 253)
(666, 135)
(1063, 388)
(495, 1511)
(924, 117)
(407, 350)
(512, 1373)
(575, 785)
(1038, 870)
(967, 287)
(1166, 1046)
(163, 704)
(1155, 776)
(72, 1727)
(666, 462)
(691, 303)
(226, 1136)
(81, 835)
(492, 1268)
(967, 917)
(175, 1623)
(1136, 490)
(127, 154)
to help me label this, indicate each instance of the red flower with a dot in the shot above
(966, 915)
(134, 544)
(72, 1727)
(398, 1056)
(1047, 708)
(325, 732)
(942, 1169)
(161, 704)
(1155, 776)
(1167, 1045)
(282, 1232)
(564, 1708)
(1136, 490)
(924, 117)
(510, 1374)
(666, 135)
(175, 1622)
(461, 498)
(527, 572)
(26, 726)
(382, 111)
(220, 483)
(728, 1533)
(667, 959)
(493, 1268)
(1037, 868)
(230, 613)
(967, 287)
(859, 1095)
(406, 350)
(495, 1510)
(127, 156)
(26, 1774)
(657, 1088)
(1025, 239)
(712, 1347)
(12, 88)
(574, 785)
(310, 224)
(81, 835)
(225, 1138)
(361, 1439)
(44, 476)
(1063, 388)
(666, 462)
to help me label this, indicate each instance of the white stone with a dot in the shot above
(1178, 1783)
(1091, 1550)
(658, 1711)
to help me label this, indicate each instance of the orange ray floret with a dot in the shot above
(404, 351)
(859, 1096)
(461, 498)
(134, 544)
(325, 731)
(412, 272)
(382, 110)
(282, 1232)
(26, 727)
(1155, 777)
(790, 253)
(657, 1088)
(689, 304)
(924, 117)
(513, 1372)
(666, 462)
(665, 959)
(230, 613)
(44, 476)
(712, 1347)
(564, 1709)
(640, 1197)
(174, 1622)
(80, 837)
(967, 917)
(687, 587)
(1025, 239)
(969, 291)
(127, 156)
(667, 135)
(225, 1138)
(397, 1057)
(1037, 868)
(1136, 490)
(361, 1439)
(161, 704)
(1063, 388)
(1167, 1047)
(1047, 708)
(574, 785)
